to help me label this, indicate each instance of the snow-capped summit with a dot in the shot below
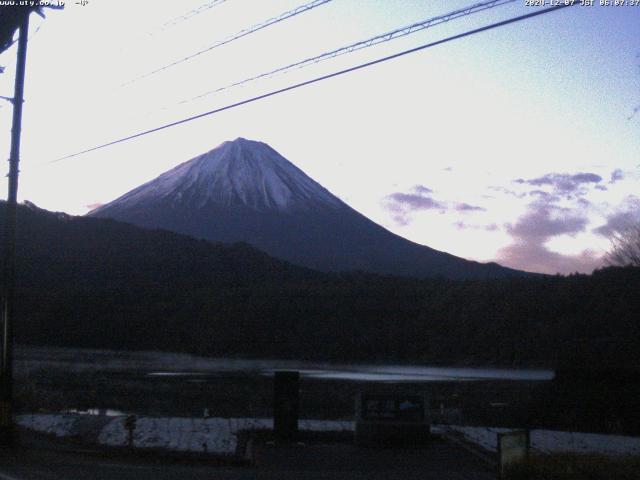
(246, 191)
(241, 172)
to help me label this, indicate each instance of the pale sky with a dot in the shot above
(513, 145)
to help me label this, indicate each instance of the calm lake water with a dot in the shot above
(124, 380)
(197, 369)
(376, 373)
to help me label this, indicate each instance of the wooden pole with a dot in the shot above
(9, 272)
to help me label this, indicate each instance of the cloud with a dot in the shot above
(465, 207)
(616, 176)
(553, 187)
(563, 183)
(530, 233)
(627, 213)
(460, 225)
(93, 206)
(415, 202)
(398, 215)
(422, 189)
(402, 204)
(615, 223)
(506, 191)
(545, 221)
(545, 196)
(535, 257)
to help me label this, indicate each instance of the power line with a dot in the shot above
(323, 77)
(384, 37)
(242, 33)
(193, 13)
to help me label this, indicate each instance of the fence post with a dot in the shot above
(286, 404)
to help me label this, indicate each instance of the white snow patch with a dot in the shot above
(551, 441)
(212, 435)
(239, 172)
(220, 435)
(58, 425)
(217, 435)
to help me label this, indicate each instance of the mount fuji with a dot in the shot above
(246, 191)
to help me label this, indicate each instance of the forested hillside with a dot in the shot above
(89, 282)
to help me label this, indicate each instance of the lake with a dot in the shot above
(176, 384)
(372, 373)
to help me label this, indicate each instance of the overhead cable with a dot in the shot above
(193, 13)
(384, 37)
(242, 33)
(323, 77)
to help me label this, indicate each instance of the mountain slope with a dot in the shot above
(245, 191)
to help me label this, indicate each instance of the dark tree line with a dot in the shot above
(98, 283)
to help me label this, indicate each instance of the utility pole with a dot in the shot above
(9, 272)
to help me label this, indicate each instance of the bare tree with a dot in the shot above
(625, 247)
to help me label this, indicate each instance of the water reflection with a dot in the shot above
(391, 373)
(108, 412)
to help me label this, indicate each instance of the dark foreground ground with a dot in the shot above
(40, 458)
(439, 460)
